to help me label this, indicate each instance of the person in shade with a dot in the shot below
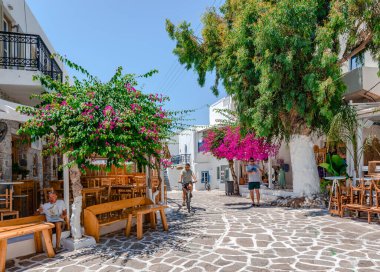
(55, 212)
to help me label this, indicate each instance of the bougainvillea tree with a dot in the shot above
(90, 118)
(231, 144)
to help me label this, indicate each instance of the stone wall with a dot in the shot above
(6, 150)
(30, 153)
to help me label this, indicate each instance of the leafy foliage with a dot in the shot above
(90, 118)
(334, 165)
(279, 60)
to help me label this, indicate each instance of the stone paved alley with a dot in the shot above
(226, 234)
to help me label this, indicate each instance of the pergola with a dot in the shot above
(369, 115)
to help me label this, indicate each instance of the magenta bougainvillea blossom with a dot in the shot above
(229, 143)
(89, 119)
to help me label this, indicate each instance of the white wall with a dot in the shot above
(173, 145)
(224, 103)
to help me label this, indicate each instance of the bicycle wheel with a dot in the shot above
(188, 200)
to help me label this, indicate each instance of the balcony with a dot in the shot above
(28, 52)
(180, 159)
(362, 84)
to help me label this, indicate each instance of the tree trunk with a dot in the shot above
(305, 174)
(76, 229)
(234, 177)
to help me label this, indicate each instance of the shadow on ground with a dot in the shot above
(115, 247)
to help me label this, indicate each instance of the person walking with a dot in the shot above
(254, 181)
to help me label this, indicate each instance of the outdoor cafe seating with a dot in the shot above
(357, 196)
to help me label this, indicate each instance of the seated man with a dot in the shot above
(55, 212)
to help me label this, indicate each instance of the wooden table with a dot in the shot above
(87, 191)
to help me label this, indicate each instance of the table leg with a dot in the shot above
(152, 220)
(38, 242)
(129, 225)
(163, 219)
(139, 226)
(3, 254)
(48, 243)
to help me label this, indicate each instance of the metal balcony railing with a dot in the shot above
(180, 159)
(27, 52)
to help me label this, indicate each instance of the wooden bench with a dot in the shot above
(118, 211)
(24, 226)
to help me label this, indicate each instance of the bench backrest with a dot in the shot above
(23, 220)
(118, 205)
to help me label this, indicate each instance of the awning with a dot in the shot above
(8, 112)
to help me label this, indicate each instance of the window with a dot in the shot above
(356, 61)
(205, 176)
(200, 142)
(218, 173)
(200, 146)
(227, 174)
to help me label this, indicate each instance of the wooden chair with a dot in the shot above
(376, 208)
(105, 195)
(140, 183)
(6, 205)
(372, 167)
(358, 201)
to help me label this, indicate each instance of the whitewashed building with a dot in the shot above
(186, 148)
(25, 51)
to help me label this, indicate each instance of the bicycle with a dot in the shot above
(188, 197)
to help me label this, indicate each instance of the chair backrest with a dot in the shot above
(118, 205)
(6, 200)
(22, 220)
(139, 180)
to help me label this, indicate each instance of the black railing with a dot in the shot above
(27, 52)
(181, 159)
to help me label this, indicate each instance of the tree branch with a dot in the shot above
(359, 48)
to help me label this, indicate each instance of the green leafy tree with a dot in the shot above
(280, 61)
(90, 118)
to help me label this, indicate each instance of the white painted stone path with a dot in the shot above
(223, 233)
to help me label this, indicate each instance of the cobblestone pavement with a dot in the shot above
(224, 233)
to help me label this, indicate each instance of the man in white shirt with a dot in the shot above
(55, 212)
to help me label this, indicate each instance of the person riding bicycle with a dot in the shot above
(187, 178)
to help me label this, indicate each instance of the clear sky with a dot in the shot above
(102, 35)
